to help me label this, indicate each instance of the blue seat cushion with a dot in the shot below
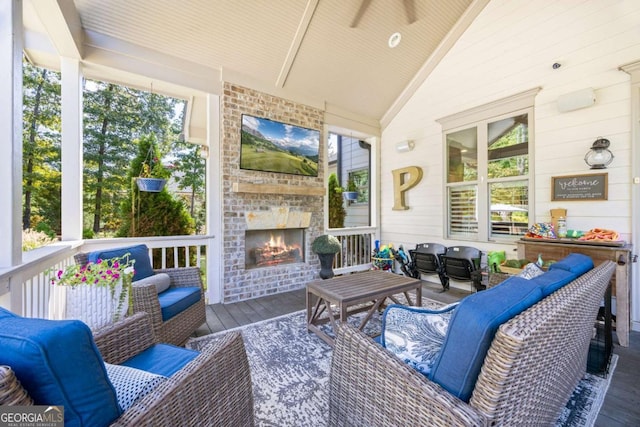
(553, 280)
(471, 331)
(575, 263)
(176, 300)
(58, 363)
(162, 359)
(139, 253)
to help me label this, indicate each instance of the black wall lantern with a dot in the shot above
(599, 157)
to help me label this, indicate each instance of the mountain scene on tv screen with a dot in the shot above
(281, 148)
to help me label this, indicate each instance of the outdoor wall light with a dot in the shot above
(599, 156)
(405, 146)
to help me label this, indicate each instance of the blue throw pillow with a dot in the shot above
(415, 334)
(58, 363)
(140, 253)
(574, 263)
(471, 331)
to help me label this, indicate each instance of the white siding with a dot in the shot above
(510, 48)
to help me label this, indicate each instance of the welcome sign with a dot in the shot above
(579, 187)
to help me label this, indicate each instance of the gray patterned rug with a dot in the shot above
(290, 374)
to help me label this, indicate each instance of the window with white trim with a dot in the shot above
(488, 175)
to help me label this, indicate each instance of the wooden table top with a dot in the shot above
(361, 286)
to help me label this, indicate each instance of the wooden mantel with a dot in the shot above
(297, 190)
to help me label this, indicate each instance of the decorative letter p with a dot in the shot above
(404, 179)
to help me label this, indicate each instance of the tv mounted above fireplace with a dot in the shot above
(270, 146)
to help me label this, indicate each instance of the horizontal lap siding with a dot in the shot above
(509, 49)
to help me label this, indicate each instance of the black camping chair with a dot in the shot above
(463, 263)
(427, 259)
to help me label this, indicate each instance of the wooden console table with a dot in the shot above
(621, 281)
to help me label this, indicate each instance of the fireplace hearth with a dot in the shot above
(267, 248)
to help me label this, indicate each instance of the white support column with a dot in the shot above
(215, 268)
(11, 44)
(71, 149)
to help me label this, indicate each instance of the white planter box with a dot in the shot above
(93, 305)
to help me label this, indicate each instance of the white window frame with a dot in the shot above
(479, 117)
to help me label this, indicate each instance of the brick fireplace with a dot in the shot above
(264, 201)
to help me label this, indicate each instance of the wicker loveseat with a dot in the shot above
(173, 320)
(533, 363)
(58, 363)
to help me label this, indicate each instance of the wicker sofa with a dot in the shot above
(213, 388)
(533, 363)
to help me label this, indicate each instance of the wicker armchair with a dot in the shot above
(535, 361)
(213, 389)
(180, 327)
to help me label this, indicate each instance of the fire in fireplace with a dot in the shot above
(266, 248)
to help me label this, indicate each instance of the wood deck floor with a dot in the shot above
(622, 403)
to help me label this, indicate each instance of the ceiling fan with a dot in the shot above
(409, 8)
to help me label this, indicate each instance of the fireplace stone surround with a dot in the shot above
(263, 200)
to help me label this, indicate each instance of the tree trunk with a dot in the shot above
(101, 151)
(28, 153)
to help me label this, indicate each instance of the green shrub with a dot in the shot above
(326, 244)
(32, 239)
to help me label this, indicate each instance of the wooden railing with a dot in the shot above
(24, 289)
(355, 254)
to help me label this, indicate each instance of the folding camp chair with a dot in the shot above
(463, 263)
(427, 259)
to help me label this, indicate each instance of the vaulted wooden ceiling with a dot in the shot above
(332, 53)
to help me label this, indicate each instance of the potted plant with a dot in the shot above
(152, 175)
(326, 246)
(147, 181)
(352, 191)
(96, 293)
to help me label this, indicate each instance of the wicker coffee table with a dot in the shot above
(368, 290)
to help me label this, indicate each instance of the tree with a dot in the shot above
(114, 117)
(152, 214)
(41, 148)
(189, 175)
(337, 212)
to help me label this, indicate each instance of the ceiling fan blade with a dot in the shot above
(363, 8)
(410, 9)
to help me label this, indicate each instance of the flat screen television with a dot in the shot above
(271, 146)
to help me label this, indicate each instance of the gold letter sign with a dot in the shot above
(404, 179)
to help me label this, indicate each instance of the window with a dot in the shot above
(488, 173)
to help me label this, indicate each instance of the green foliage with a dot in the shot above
(337, 212)
(32, 239)
(190, 168)
(325, 244)
(260, 154)
(43, 227)
(114, 116)
(41, 147)
(152, 214)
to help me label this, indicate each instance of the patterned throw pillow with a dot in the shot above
(530, 271)
(416, 334)
(131, 384)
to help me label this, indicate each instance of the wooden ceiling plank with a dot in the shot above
(363, 8)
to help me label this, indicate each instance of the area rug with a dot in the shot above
(290, 374)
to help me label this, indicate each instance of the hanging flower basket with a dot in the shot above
(151, 185)
(350, 195)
